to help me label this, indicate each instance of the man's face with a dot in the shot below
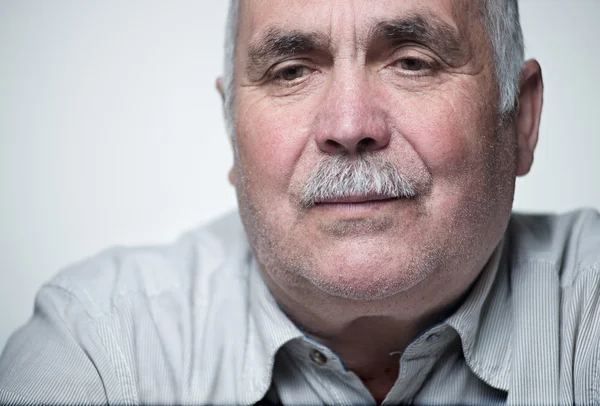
(335, 98)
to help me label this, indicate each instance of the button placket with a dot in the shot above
(411, 376)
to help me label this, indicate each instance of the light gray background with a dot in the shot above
(111, 131)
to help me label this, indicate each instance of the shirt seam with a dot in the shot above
(118, 255)
(580, 225)
(91, 320)
(525, 262)
(70, 331)
(594, 267)
(100, 312)
(584, 271)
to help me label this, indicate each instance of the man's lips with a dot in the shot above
(355, 199)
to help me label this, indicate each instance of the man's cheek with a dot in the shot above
(271, 146)
(445, 138)
(440, 146)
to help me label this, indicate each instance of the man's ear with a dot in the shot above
(233, 175)
(527, 121)
(233, 171)
(220, 89)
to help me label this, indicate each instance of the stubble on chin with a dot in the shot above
(293, 267)
(359, 227)
(281, 260)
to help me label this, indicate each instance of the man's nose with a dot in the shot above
(351, 119)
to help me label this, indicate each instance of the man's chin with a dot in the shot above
(355, 227)
(395, 216)
(374, 282)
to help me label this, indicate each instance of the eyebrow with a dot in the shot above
(277, 44)
(429, 31)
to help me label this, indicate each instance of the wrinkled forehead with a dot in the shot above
(354, 20)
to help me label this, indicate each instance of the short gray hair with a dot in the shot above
(501, 20)
(231, 33)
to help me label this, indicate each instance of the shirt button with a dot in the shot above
(318, 358)
(433, 337)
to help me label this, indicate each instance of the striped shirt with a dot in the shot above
(193, 323)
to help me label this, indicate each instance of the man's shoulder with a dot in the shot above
(101, 282)
(115, 324)
(569, 243)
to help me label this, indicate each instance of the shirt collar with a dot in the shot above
(484, 323)
(268, 330)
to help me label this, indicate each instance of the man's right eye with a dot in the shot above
(292, 73)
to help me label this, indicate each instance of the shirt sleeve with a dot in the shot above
(44, 362)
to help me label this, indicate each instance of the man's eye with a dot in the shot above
(412, 64)
(292, 73)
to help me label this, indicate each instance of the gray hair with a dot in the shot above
(231, 32)
(501, 20)
(366, 175)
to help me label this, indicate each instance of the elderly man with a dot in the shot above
(375, 259)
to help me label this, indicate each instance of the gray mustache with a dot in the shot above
(342, 176)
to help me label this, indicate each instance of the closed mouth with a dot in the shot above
(356, 199)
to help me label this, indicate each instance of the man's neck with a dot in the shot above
(369, 336)
(371, 347)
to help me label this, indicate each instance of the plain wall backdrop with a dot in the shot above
(111, 129)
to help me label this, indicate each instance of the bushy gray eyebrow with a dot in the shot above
(278, 43)
(433, 33)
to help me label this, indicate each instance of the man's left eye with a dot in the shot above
(412, 64)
